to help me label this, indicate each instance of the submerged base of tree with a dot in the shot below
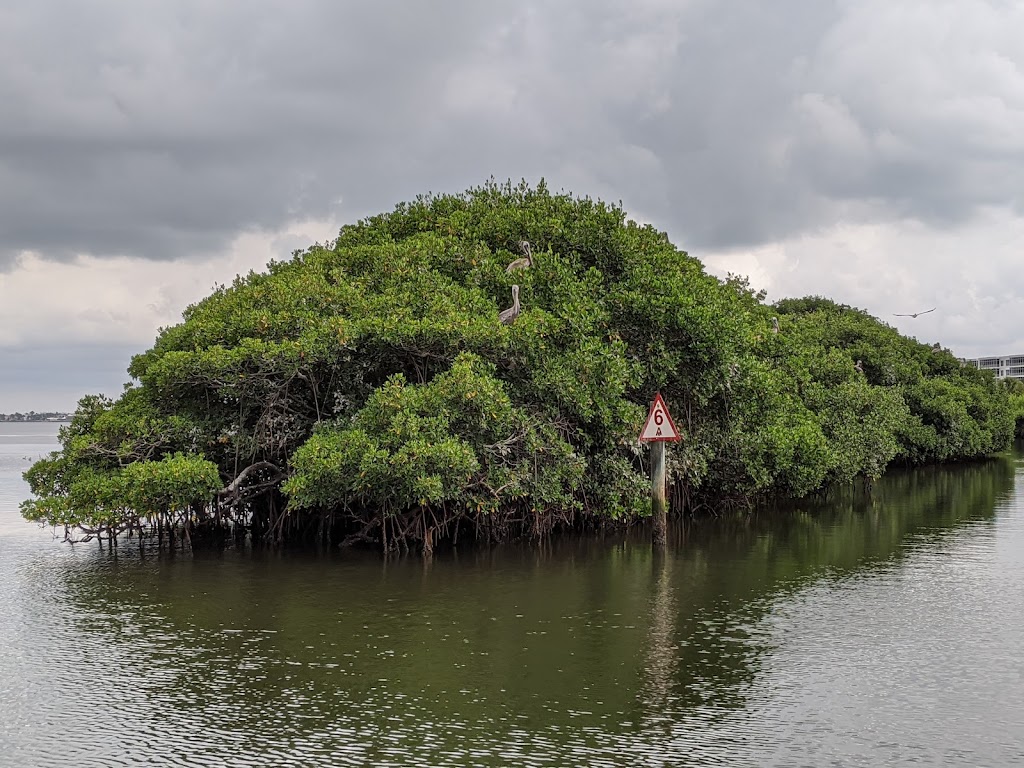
(381, 390)
(419, 531)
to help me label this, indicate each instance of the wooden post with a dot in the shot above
(659, 429)
(659, 506)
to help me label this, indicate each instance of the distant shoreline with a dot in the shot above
(51, 420)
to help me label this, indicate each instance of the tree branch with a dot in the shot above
(235, 484)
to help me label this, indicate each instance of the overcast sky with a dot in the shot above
(870, 150)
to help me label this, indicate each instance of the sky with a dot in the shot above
(871, 151)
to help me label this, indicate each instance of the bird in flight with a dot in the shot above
(915, 314)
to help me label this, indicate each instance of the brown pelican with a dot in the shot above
(523, 263)
(508, 316)
(915, 314)
(775, 325)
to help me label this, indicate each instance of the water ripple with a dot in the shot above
(881, 634)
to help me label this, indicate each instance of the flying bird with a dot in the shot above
(525, 262)
(508, 316)
(915, 314)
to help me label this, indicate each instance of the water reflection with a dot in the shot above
(598, 652)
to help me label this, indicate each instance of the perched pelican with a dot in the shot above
(858, 366)
(915, 314)
(525, 262)
(775, 325)
(508, 316)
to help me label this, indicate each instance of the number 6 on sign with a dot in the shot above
(659, 427)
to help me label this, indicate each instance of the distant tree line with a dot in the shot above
(33, 416)
(367, 391)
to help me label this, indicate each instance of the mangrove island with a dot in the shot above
(478, 366)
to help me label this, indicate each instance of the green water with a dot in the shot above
(879, 631)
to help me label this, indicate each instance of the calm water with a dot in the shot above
(863, 633)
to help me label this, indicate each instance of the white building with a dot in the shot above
(1011, 367)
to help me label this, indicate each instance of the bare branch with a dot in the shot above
(235, 484)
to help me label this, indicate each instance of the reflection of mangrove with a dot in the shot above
(728, 570)
(851, 526)
(596, 625)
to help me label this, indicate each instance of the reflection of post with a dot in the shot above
(659, 507)
(662, 650)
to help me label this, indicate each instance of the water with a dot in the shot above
(862, 633)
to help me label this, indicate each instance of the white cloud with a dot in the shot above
(123, 301)
(974, 277)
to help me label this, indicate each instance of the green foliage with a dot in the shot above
(939, 410)
(369, 380)
(107, 477)
(456, 440)
(1015, 396)
(177, 481)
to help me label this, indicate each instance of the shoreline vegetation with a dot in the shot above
(477, 367)
(22, 418)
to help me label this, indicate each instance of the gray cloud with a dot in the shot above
(827, 146)
(162, 130)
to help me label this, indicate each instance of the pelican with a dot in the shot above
(775, 325)
(508, 316)
(915, 314)
(525, 262)
(858, 367)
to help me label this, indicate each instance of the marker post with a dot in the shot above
(658, 430)
(659, 505)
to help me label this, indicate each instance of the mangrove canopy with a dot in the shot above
(367, 391)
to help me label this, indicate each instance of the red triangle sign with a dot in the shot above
(659, 426)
